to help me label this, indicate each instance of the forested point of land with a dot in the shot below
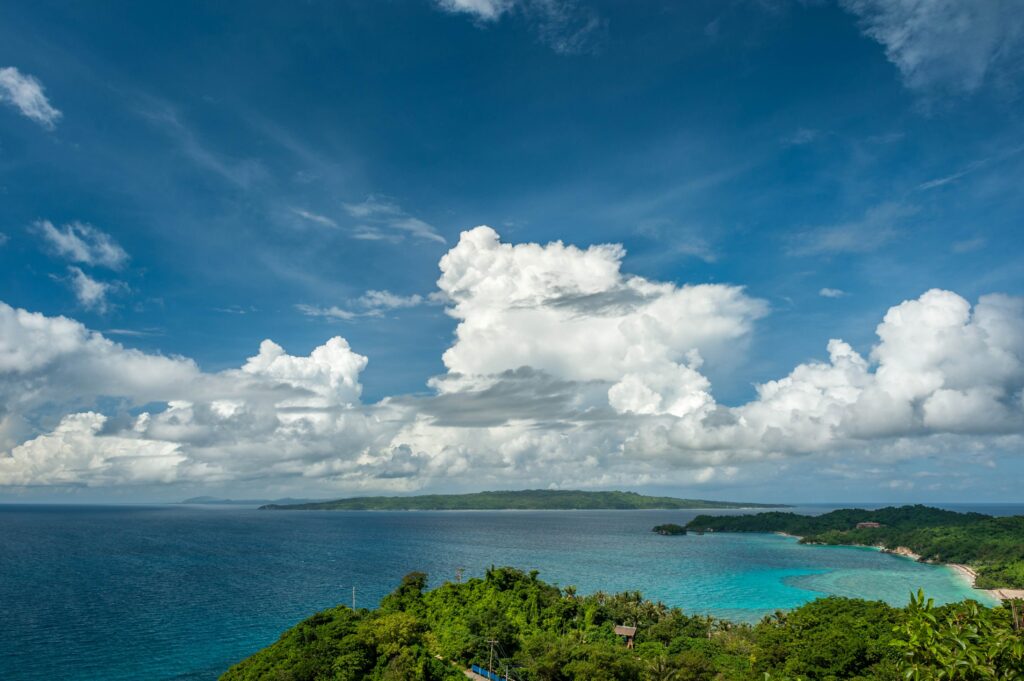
(512, 620)
(992, 546)
(669, 529)
(521, 500)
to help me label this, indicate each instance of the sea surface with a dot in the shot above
(182, 592)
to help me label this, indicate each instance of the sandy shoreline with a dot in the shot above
(968, 573)
(964, 571)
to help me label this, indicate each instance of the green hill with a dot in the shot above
(994, 547)
(511, 620)
(533, 499)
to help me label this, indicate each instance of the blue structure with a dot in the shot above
(486, 674)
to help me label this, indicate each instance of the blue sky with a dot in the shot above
(260, 167)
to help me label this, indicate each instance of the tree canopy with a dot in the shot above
(993, 546)
(512, 620)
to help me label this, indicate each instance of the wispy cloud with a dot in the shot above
(373, 303)
(696, 248)
(946, 45)
(373, 206)
(236, 309)
(315, 217)
(134, 333)
(242, 173)
(802, 137)
(877, 227)
(330, 312)
(3, 238)
(971, 167)
(969, 245)
(485, 10)
(90, 293)
(26, 94)
(82, 243)
(566, 26)
(675, 240)
(386, 219)
(368, 233)
(832, 293)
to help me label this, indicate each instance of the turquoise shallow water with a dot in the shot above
(178, 592)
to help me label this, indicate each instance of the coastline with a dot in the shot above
(965, 572)
(968, 574)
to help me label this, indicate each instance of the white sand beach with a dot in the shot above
(971, 576)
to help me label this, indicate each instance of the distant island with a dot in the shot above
(218, 501)
(988, 550)
(522, 500)
(669, 529)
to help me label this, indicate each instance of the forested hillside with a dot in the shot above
(993, 546)
(512, 620)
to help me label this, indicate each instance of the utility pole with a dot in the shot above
(353, 598)
(458, 574)
(490, 659)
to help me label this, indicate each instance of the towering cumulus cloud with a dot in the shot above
(563, 370)
(571, 313)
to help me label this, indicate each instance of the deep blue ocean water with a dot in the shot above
(181, 592)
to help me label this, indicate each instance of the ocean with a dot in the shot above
(182, 592)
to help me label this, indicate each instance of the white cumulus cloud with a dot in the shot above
(563, 370)
(73, 454)
(557, 307)
(330, 374)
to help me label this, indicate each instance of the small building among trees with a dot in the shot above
(627, 633)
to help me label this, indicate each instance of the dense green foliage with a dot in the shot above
(544, 633)
(994, 547)
(961, 641)
(669, 529)
(530, 499)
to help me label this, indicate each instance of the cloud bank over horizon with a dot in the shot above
(563, 370)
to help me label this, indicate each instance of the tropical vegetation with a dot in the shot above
(992, 546)
(518, 625)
